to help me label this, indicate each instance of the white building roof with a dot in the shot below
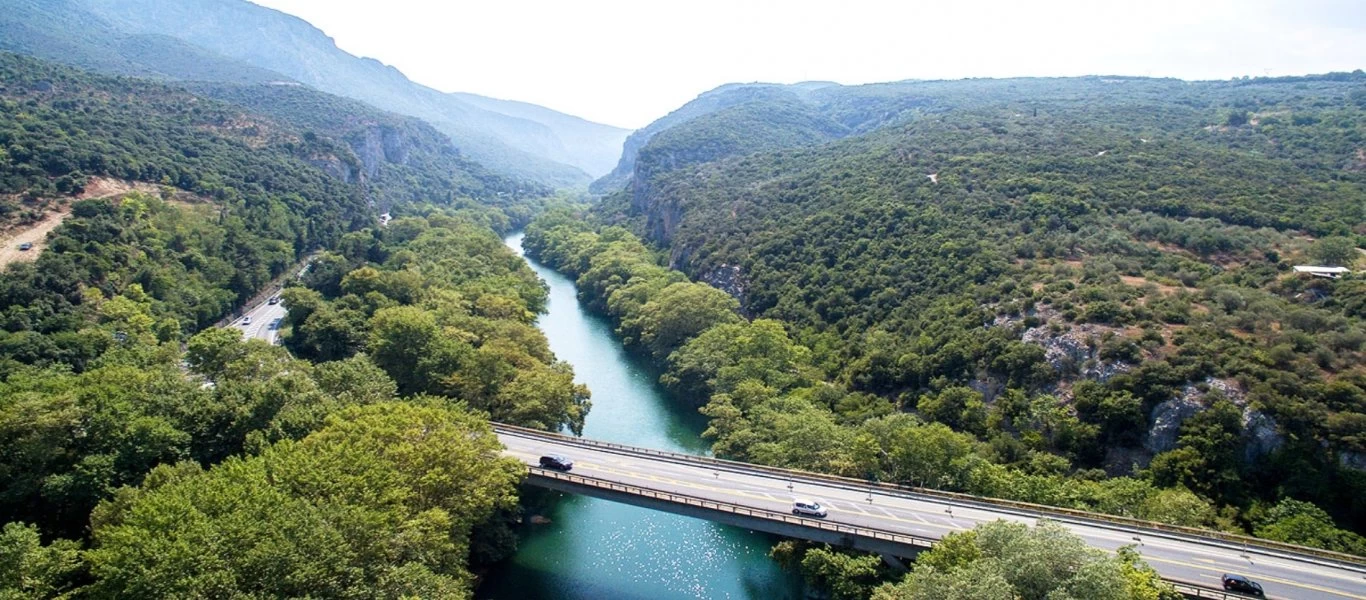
(1322, 271)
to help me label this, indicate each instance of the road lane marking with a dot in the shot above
(888, 516)
(1307, 586)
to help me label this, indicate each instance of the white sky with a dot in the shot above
(628, 62)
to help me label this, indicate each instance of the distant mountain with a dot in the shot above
(707, 103)
(65, 31)
(380, 158)
(593, 147)
(236, 41)
(764, 116)
(396, 159)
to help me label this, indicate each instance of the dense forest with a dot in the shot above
(445, 309)
(994, 561)
(259, 205)
(1072, 292)
(399, 159)
(369, 474)
(236, 42)
(148, 454)
(266, 193)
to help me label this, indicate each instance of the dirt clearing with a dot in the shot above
(35, 234)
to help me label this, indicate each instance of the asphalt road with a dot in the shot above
(265, 322)
(1190, 561)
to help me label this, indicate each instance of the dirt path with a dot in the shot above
(36, 235)
(95, 187)
(104, 187)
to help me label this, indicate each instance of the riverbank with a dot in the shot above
(593, 549)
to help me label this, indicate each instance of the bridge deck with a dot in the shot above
(896, 521)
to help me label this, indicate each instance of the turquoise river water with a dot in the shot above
(598, 550)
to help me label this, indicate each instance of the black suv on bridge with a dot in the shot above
(556, 462)
(1242, 585)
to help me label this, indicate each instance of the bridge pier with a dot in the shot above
(895, 563)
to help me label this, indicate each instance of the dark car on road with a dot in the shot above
(25, 247)
(1242, 585)
(556, 462)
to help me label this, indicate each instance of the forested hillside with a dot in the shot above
(269, 190)
(235, 41)
(148, 454)
(65, 31)
(398, 159)
(1087, 281)
(262, 203)
(737, 119)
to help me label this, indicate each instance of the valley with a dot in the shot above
(594, 548)
(277, 320)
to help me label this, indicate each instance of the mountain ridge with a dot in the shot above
(257, 42)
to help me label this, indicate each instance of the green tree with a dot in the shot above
(211, 352)
(1340, 251)
(1014, 561)
(680, 312)
(31, 570)
(1178, 506)
(847, 576)
(379, 503)
(958, 407)
(722, 356)
(1299, 522)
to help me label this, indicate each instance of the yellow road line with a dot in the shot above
(1307, 586)
(890, 517)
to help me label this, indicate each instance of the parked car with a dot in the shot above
(810, 508)
(25, 247)
(1242, 585)
(556, 462)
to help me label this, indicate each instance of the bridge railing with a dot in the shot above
(1186, 589)
(1028, 508)
(738, 509)
(1193, 591)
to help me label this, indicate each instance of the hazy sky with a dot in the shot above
(628, 62)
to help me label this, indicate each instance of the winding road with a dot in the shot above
(265, 322)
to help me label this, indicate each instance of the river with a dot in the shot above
(598, 550)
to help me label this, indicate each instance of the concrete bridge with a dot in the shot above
(898, 521)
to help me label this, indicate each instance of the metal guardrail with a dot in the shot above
(1186, 589)
(1191, 591)
(738, 509)
(1341, 559)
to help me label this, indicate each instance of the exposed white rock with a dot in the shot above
(1166, 420)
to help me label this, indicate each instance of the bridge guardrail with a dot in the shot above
(1192, 591)
(1186, 589)
(738, 509)
(1341, 559)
